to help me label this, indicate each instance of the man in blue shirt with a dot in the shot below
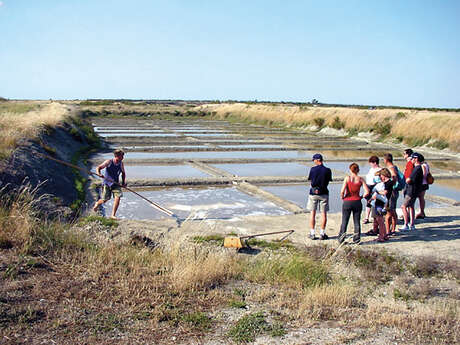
(320, 176)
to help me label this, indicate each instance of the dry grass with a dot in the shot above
(19, 120)
(60, 285)
(436, 126)
(434, 322)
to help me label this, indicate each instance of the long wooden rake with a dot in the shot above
(153, 204)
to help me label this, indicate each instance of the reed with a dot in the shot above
(25, 120)
(410, 126)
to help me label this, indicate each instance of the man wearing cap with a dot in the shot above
(320, 176)
(414, 187)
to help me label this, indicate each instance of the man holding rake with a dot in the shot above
(113, 168)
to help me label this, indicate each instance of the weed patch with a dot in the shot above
(379, 266)
(112, 223)
(294, 270)
(217, 239)
(249, 327)
(197, 320)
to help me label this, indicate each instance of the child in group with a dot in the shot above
(371, 181)
(380, 194)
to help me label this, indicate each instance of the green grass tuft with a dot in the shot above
(248, 327)
(104, 221)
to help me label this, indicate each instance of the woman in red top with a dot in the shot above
(352, 202)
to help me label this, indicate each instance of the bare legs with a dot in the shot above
(421, 198)
(116, 203)
(408, 214)
(313, 219)
(391, 219)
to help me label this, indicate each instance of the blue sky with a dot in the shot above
(350, 52)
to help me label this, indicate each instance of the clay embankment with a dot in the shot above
(53, 183)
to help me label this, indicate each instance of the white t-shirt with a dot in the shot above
(371, 178)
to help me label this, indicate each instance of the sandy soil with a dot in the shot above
(438, 235)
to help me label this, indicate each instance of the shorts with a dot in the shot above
(369, 197)
(318, 201)
(393, 200)
(409, 201)
(107, 192)
(378, 211)
(425, 187)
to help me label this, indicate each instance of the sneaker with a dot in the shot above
(341, 238)
(412, 227)
(312, 237)
(405, 228)
(324, 237)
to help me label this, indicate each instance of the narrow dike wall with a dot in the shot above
(54, 184)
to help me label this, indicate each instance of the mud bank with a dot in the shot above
(53, 183)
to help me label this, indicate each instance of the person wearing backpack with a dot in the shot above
(391, 218)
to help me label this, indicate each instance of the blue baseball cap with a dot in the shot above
(416, 155)
(317, 156)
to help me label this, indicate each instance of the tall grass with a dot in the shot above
(179, 286)
(27, 121)
(415, 126)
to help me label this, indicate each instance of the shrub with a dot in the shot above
(319, 121)
(440, 144)
(337, 123)
(400, 115)
(382, 128)
(414, 142)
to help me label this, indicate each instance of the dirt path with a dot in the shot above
(438, 235)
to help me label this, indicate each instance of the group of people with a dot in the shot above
(381, 187)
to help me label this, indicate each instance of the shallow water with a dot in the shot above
(264, 169)
(211, 154)
(130, 134)
(362, 154)
(446, 188)
(298, 194)
(107, 131)
(211, 135)
(162, 171)
(213, 202)
(163, 147)
(261, 146)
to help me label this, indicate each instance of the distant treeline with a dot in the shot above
(301, 104)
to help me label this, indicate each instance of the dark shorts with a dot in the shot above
(378, 211)
(393, 200)
(369, 197)
(409, 201)
(425, 187)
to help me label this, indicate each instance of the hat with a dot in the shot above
(383, 172)
(317, 156)
(416, 155)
